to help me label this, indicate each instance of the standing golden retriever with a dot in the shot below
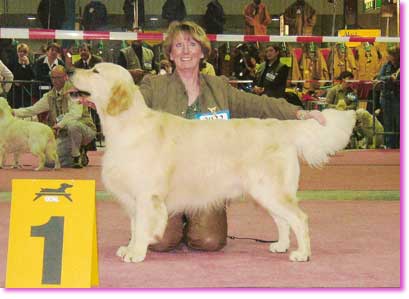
(157, 163)
(19, 136)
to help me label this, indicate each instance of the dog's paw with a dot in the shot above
(121, 251)
(279, 247)
(299, 256)
(131, 254)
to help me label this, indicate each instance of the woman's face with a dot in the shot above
(22, 52)
(186, 52)
(52, 54)
(271, 53)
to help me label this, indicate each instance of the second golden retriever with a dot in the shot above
(20, 136)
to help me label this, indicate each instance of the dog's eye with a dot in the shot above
(94, 70)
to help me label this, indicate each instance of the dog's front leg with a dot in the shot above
(148, 222)
(16, 157)
(136, 250)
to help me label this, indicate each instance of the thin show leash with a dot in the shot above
(253, 239)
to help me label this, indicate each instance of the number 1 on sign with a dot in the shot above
(53, 233)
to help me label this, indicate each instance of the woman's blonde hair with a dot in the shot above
(23, 47)
(191, 28)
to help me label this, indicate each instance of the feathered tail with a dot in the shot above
(315, 142)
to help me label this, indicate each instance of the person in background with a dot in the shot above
(21, 93)
(138, 60)
(188, 93)
(390, 97)
(44, 64)
(71, 120)
(257, 18)
(341, 96)
(87, 59)
(271, 78)
(5, 75)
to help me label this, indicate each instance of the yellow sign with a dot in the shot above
(52, 236)
(358, 32)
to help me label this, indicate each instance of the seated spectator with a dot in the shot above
(71, 120)
(21, 93)
(341, 96)
(87, 60)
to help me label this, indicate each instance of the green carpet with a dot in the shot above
(302, 195)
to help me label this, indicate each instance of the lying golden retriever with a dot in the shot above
(364, 130)
(156, 163)
(19, 136)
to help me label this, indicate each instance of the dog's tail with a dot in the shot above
(315, 142)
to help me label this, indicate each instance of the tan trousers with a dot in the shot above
(203, 230)
(70, 139)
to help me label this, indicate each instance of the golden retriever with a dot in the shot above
(18, 136)
(156, 163)
(364, 130)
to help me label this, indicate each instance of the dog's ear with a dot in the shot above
(120, 99)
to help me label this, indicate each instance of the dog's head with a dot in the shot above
(363, 118)
(5, 109)
(65, 185)
(109, 86)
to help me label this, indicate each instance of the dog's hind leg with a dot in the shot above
(283, 235)
(41, 160)
(52, 156)
(51, 153)
(148, 223)
(286, 211)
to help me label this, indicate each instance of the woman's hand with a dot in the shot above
(258, 90)
(24, 60)
(313, 114)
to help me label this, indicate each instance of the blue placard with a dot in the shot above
(222, 114)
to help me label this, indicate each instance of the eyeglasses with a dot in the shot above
(57, 77)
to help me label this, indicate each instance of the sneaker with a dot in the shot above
(76, 162)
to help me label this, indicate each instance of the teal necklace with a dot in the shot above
(192, 110)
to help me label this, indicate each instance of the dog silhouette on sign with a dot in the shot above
(55, 191)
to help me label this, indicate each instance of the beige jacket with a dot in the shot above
(167, 93)
(71, 110)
